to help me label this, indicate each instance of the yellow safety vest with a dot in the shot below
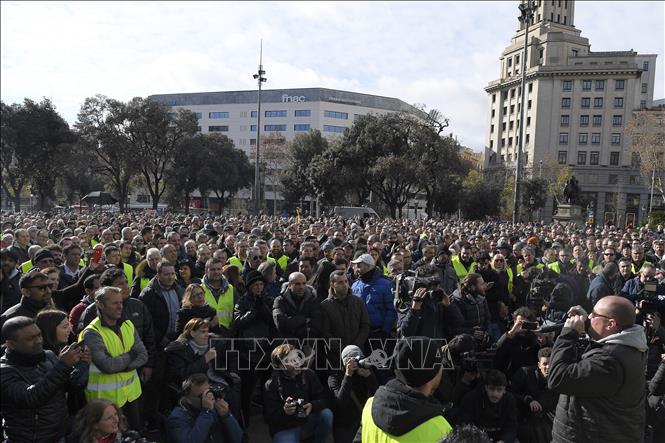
(385, 270)
(26, 266)
(236, 262)
(632, 266)
(460, 270)
(282, 262)
(224, 305)
(129, 272)
(555, 267)
(144, 282)
(121, 387)
(538, 266)
(510, 280)
(430, 431)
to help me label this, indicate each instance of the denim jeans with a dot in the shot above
(319, 425)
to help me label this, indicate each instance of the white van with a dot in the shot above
(355, 211)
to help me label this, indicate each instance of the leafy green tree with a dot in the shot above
(227, 169)
(35, 142)
(102, 127)
(480, 198)
(300, 154)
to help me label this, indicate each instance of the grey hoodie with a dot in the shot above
(633, 337)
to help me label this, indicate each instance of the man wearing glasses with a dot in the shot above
(35, 296)
(602, 388)
(563, 265)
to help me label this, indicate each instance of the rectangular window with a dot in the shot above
(218, 115)
(493, 113)
(491, 144)
(243, 114)
(493, 99)
(595, 138)
(303, 113)
(252, 141)
(618, 102)
(586, 85)
(505, 110)
(581, 158)
(512, 93)
(492, 129)
(337, 129)
(199, 115)
(301, 127)
(600, 85)
(530, 87)
(503, 142)
(510, 62)
(565, 120)
(335, 114)
(586, 102)
(528, 137)
(583, 138)
(597, 120)
(503, 126)
(575, 52)
(616, 138)
(528, 104)
(613, 179)
(643, 104)
(510, 125)
(218, 129)
(505, 95)
(528, 121)
(274, 128)
(598, 102)
(565, 102)
(510, 141)
(614, 159)
(584, 120)
(512, 109)
(644, 88)
(594, 158)
(275, 114)
(252, 128)
(617, 120)
(645, 66)
(254, 114)
(567, 85)
(563, 138)
(619, 85)
(563, 157)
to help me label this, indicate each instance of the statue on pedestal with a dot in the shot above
(571, 191)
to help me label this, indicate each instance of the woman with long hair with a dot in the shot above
(101, 421)
(193, 306)
(185, 273)
(232, 274)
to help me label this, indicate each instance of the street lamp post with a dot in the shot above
(259, 77)
(526, 15)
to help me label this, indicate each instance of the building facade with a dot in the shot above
(284, 113)
(578, 104)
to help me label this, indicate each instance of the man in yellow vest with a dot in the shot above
(404, 409)
(220, 295)
(463, 263)
(148, 271)
(113, 257)
(117, 352)
(280, 258)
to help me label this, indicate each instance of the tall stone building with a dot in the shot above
(577, 106)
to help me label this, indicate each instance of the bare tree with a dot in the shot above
(645, 133)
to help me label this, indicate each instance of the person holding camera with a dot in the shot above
(202, 415)
(602, 387)
(519, 346)
(351, 388)
(643, 286)
(431, 313)
(295, 403)
(33, 383)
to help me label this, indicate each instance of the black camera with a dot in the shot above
(407, 284)
(134, 437)
(362, 362)
(300, 408)
(219, 391)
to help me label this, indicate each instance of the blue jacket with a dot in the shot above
(185, 426)
(598, 289)
(377, 293)
(631, 290)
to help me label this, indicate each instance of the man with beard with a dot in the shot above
(470, 298)
(463, 263)
(35, 296)
(602, 388)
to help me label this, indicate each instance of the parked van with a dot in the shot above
(355, 211)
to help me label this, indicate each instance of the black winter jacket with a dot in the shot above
(297, 318)
(499, 420)
(181, 361)
(433, 320)
(474, 309)
(345, 319)
(184, 315)
(602, 389)
(34, 405)
(152, 297)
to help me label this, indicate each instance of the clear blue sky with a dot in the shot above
(441, 54)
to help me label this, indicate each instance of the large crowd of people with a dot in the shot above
(195, 328)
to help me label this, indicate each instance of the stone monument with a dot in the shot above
(570, 211)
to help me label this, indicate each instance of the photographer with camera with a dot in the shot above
(351, 388)
(431, 313)
(202, 415)
(294, 401)
(644, 287)
(519, 346)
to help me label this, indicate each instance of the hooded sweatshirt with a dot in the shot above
(602, 391)
(397, 409)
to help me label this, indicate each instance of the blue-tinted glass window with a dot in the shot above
(254, 114)
(252, 128)
(218, 115)
(275, 114)
(218, 129)
(301, 127)
(335, 114)
(199, 115)
(303, 113)
(337, 129)
(272, 128)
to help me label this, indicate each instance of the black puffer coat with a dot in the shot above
(34, 406)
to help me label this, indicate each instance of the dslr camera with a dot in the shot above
(407, 284)
(300, 408)
(219, 391)
(362, 362)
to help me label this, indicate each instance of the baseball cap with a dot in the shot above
(364, 258)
